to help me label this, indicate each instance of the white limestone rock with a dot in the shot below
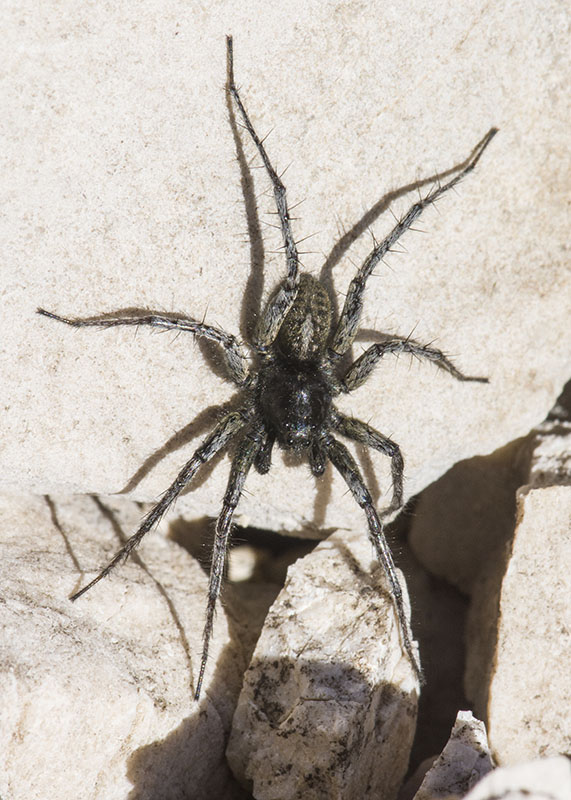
(544, 779)
(519, 631)
(328, 705)
(464, 761)
(518, 640)
(121, 189)
(529, 692)
(96, 696)
(463, 521)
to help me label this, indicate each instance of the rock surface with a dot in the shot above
(121, 189)
(519, 635)
(328, 705)
(545, 779)
(529, 694)
(464, 520)
(462, 764)
(96, 696)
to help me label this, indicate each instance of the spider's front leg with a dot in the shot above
(344, 462)
(235, 359)
(226, 429)
(276, 311)
(351, 314)
(360, 369)
(361, 432)
(243, 460)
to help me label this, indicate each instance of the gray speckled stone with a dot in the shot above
(328, 705)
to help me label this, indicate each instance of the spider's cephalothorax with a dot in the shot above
(288, 396)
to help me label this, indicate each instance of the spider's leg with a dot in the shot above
(272, 318)
(361, 432)
(360, 369)
(243, 460)
(345, 464)
(349, 320)
(222, 433)
(235, 359)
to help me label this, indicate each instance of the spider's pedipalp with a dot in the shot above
(247, 451)
(274, 314)
(351, 314)
(226, 429)
(235, 359)
(361, 432)
(263, 460)
(360, 369)
(344, 462)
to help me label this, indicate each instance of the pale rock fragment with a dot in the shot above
(96, 696)
(544, 779)
(328, 705)
(529, 693)
(518, 641)
(519, 630)
(463, 762)
(465, 518)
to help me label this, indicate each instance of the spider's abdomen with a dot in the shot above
(305, 330)
(295, 400)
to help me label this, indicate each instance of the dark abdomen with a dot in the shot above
(305, 330)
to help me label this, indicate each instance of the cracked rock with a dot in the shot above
(96, 695)
(519, 642)
(464, 761)
(328, 706)
(544, 779)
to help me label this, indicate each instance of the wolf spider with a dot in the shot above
(288, 390)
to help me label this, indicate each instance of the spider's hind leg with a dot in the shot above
(275, 313)
(351, 314)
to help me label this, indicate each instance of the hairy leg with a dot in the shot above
(220, 436)
(243, 460)
(364, 434)
(235, 359)
(351, 313)
(273, 316)
(360, 369)
(345, 464)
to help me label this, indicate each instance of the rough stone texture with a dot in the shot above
(517, 638)
(463, 521)
(519, 632)
(530, 694)
(121, 189)
(546, 779)
(463, 762)
(328, 705)
(96, 696)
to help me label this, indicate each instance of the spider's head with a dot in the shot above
(295, 402)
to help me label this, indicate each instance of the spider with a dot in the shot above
(288, 390)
